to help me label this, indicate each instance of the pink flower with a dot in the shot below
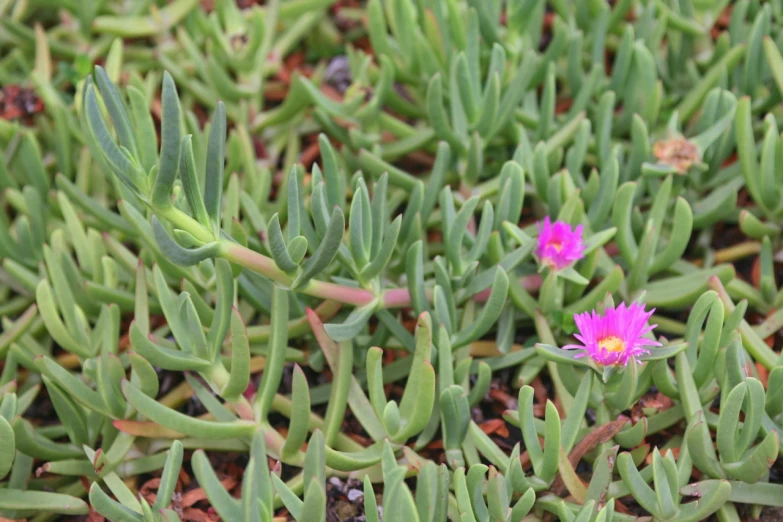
(616, 337)
(558, 244)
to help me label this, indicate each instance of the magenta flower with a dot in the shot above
(558, 244)
(616, 337)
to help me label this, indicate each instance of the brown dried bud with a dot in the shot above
(678, 153)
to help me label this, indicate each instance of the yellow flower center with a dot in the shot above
(557, 245)
(612, 344)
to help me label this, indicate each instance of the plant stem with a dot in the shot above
(254, 261)
(391, 298)
(261, 264)
(240, 405)
(340, 293)
(396, 298)
(186, 223)
(265, 266)
(274, 445)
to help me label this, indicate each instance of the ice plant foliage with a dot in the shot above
(559, 244)
(242, 202)
(614, 337)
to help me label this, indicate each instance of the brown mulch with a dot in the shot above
(19, 103)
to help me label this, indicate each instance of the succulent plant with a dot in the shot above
(482, 261)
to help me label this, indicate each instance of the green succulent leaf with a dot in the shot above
(42, 501)
(165, 357)
(239, 375)
(182, 423)
(7, 447)
(178, 254)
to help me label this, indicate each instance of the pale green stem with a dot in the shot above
(397, 298)
(240, 405)
(274, 445)
(391, 298)
(265, 266)
(186, 223)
